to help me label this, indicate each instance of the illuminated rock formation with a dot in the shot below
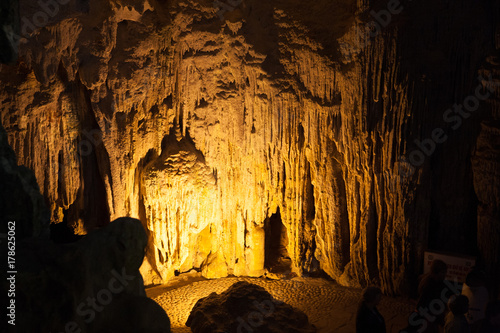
(204, 128)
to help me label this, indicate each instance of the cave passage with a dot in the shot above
(276, 259)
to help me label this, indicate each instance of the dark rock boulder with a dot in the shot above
(85, 286)
(246, 308)
(132, 314)
(20, 199)
(9, 30)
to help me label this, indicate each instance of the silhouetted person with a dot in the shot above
(368, 319)
(455, 320)
(432, 289)
(477, 293)
(491, 323)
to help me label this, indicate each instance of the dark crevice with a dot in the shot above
(168, 102)
(91, 205)
(276, 259)
(301, 137)
(62, 233)
(283, 189)
(309, 263)
(371, 240)
(310, 207)
(342, 232)
(62, 74)
(202, 103)
(160, 257)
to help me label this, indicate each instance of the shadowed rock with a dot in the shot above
(9, 30)
(20, 198)
(246, 307)
(84, 285)
(132, 314)
(74, 285)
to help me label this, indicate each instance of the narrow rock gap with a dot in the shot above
(90, 209)
(310, 207)
(98, 164)
(277, 259)
(343, 232)
(62, 233)
(310, 264)
(371, 240)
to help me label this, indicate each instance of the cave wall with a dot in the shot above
(485, 166)
(204, 127)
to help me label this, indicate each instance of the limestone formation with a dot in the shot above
(61, 288)
(246, 307)
(204, 121)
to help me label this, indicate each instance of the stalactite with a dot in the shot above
(206, 127)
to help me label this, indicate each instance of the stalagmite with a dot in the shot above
(204, 128)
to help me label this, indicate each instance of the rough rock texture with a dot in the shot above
(328, 306)
(83, 285)
(54, 283)
(204, 127)
(486, 170)
(246, 307)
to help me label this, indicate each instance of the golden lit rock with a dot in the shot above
(207, 129)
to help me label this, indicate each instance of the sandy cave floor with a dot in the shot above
(330, 307)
